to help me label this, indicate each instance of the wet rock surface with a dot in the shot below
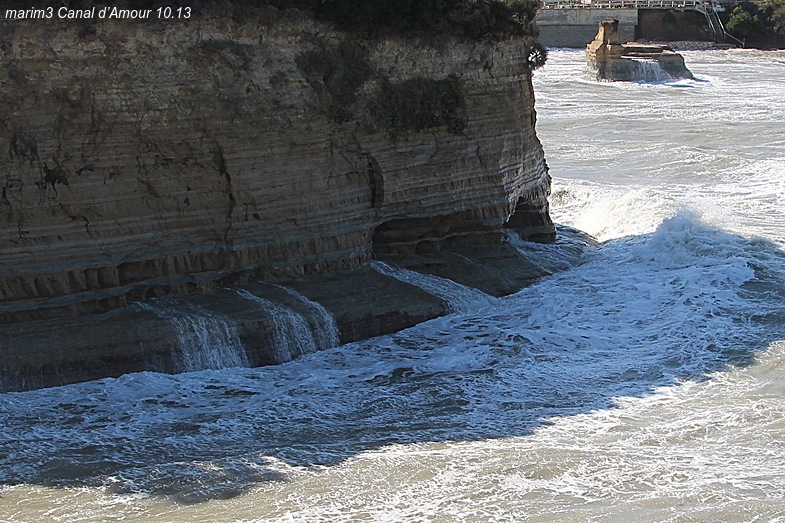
(150, 160)
(632, 61)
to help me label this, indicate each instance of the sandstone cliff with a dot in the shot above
(611, 60)
(146, 158)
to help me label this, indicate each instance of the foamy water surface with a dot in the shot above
(646, 383)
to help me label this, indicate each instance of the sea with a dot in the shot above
(643, 382)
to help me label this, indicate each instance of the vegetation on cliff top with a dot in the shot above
(337, 72)
(420, 103)
(758, 23)
(467, 18)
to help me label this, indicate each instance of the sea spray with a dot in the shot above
(459, 298)
(566, 252)
(650, 71)
(325, 330)
(292, 335)
(607, 211)
(644, 384)
(206, 339)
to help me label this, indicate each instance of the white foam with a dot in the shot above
(206, 339)
(458, 297)
(610, 212)
(564, 253)
(326, 330)
(293, 336)
(643, 384)
(650, 71)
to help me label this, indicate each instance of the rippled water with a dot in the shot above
(645, 384)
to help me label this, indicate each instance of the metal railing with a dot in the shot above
(708, 8)
(697, 5)
(718, 29)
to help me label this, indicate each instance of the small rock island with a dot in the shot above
(632, 61)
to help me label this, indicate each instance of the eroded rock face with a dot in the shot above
(615, 61)
(143, 160)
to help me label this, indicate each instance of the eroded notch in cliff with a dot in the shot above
(531, 217)
(432, 234)
(376, 182)
(459, 247)
(220, 162)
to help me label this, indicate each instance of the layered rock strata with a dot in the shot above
(612, 60)
(145, 159)
(139, 338)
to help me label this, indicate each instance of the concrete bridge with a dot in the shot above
(573, 23)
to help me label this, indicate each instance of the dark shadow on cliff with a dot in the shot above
(640, 313)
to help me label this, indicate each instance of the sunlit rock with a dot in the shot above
(612, 60)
